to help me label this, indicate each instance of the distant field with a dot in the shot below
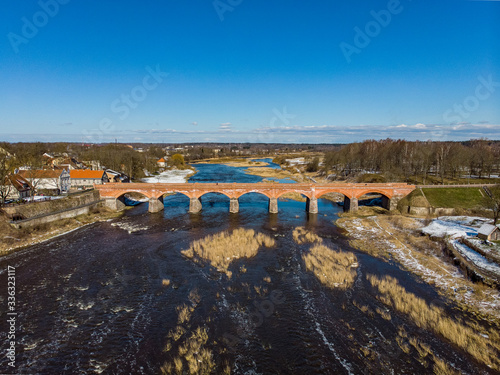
(454, 197)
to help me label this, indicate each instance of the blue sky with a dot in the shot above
(249, 70)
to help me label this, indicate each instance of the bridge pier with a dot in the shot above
(273, 205)
(115, 204)
(155, 204)
(194, 205)
(312, 205)
(234, 205)
(350, 204)
(390, 203)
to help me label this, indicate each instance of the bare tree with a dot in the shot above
(32, 161)
(492, 201)
(6, 168)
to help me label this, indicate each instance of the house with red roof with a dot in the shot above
(53, 180)
(86, 179)
(15, 187)
(162, 163)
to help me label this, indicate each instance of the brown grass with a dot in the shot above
(363, 308)
(485, 350)
(423, 349)
(193, 357)
(245, 163)
(302, 236)
(12, 239)
(222, 248)
(294, 196)
(334, 269)
(442, 368)
(268, 172)
(383, 313)
(398, 237)
(184, 313)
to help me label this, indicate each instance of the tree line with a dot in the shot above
(415, 162)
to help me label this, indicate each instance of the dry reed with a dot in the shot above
(194, 357)
(484, 349)
(442, 368)
(334, 269)
(383, 313)
(302, 236)
(398, 238)
(222, 248)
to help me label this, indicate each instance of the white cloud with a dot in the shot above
(226, 126)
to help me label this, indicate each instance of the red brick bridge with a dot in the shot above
(113, 193)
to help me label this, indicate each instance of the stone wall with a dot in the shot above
(31, 210)
(59, 215)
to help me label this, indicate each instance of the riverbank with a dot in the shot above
(16, 239)
(270, 172)
(398, 238)
(233, 162)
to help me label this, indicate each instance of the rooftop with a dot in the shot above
(486, 229)
(78, 173)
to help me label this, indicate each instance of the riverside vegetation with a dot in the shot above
(14, 239)
(482, 343)
(223, 248)
(396, 237)
(335, 269)
(193, 355)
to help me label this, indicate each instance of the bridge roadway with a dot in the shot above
(113, 193)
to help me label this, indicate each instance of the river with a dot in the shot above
(94, 300)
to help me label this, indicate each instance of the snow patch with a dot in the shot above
(173, 176)
(454, 226)
(475, 257)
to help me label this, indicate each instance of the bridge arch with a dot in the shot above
(388, 202)
(272, 202)
(240, 194)
(119, 194)
(306, 194)
(387, 193)
(345, 192)
(213, 192)
(162, 194)
(349, 200)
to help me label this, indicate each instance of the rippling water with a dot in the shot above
(92, 301)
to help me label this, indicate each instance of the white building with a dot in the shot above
(55, 180)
